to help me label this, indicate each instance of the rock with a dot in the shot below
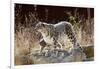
(57, 56)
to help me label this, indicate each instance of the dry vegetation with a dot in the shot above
(26, 38)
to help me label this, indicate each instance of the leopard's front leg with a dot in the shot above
(42, 44)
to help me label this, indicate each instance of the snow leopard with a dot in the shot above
(57, 34)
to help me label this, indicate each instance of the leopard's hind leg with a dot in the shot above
(71, 35)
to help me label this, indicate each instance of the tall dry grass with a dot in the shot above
(25, 41)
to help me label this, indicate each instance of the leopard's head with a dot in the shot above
(41, 27)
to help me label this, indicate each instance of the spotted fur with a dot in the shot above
(57, 34)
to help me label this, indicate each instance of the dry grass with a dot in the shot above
(24, 43)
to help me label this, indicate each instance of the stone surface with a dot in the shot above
(57, 56)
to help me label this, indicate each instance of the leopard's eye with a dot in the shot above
(42, 25)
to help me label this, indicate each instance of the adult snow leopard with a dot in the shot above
(57, 34)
